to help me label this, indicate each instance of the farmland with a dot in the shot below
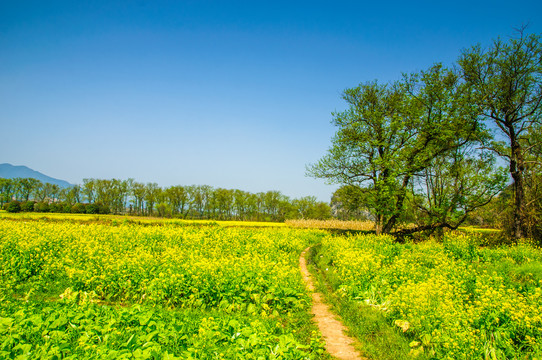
(82, 286)
(92, 290)
(451, 299)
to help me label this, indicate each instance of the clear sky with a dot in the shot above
(234, 94)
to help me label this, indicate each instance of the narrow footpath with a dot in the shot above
(338, 344)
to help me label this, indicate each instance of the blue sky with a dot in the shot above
(234, 94)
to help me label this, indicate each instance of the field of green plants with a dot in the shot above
(72, 289)
(107, 288)
(452, 299)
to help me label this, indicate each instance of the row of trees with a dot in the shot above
(427, 148)
(132, 197)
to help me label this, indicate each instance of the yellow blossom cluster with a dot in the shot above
(126, 219)
(98, 289)
(204, 266)
(453, 298)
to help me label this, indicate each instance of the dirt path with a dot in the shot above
(338, 344)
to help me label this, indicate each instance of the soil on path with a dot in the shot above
(338, 344)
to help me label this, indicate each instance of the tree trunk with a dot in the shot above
(392, 221)
(390, 224)
(378, 223)
(517, 167)
(519, 198)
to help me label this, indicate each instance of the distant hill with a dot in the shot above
(8, 171)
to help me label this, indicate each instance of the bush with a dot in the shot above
(164, 210)
(27, 206)
(14, 207)
(78, 208)
(41, 207)
(92, 209)
(97, 208)
(56, 207)
(102, 209)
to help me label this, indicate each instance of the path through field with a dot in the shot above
(338, 344)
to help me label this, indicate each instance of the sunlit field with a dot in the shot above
(104, 286)
(124, 290)
(131, 219)
(332, 224)
(452, 299)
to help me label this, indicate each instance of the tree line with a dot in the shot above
(443, 144)
(136, 198)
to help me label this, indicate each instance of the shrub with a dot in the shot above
(56, 207)
(78, 208)
(164, 210)
(92, 209)
(103, 209)
(41, 207)
(27, 206)
(14, 207)
(97, 208)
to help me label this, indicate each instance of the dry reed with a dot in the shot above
(332, 224)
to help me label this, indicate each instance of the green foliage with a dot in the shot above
(379, 339)
(128, 291)
(308, 208)
(14, 206)
(56, 207)
(27, 206)
(92, 209)
(349, 203)
(85, 330)
(453, 186)
(189, 202)
(393, 135)
(505, 78)
(163, 210)
(96, 208)
(7, 190)
(78, 209)
(451, 299)
(41, 207)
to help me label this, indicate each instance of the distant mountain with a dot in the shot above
(8, 171)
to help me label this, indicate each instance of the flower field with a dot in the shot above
(92, 290)
(453, 299)
(124, 219)
(113, 289)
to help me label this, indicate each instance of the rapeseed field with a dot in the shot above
(97, 291)
(452, 299)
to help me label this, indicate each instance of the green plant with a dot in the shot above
(14, 206)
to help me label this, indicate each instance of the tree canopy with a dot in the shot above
(394, 137)
(506, 79)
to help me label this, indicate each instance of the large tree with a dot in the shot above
(507, 78)
(392, 133)
(533, 184)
